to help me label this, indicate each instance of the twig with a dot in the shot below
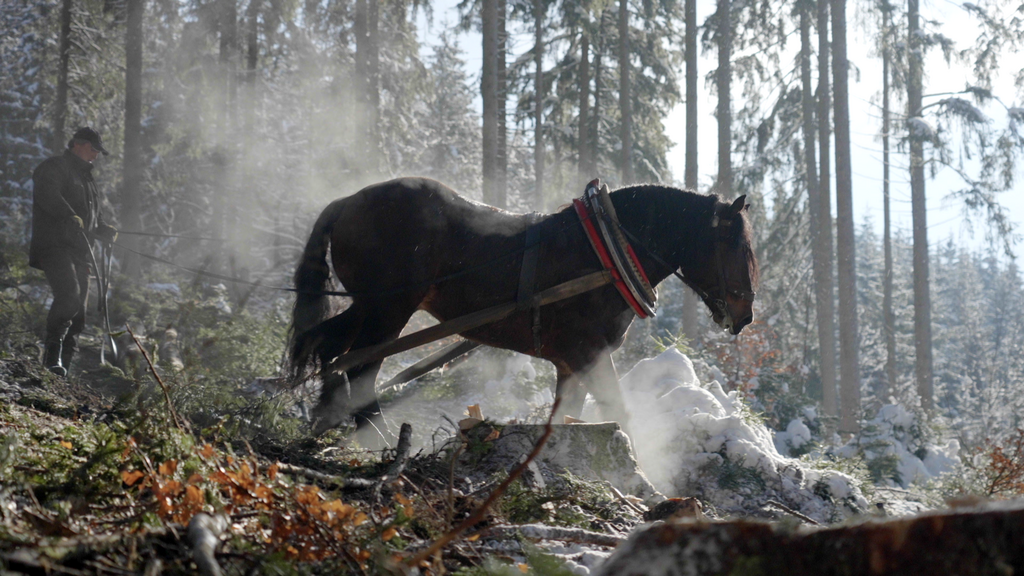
(167, 394)
(480, 512)
(789, 510)
(622, 498)
(325, 478)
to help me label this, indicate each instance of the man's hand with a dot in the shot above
(106, 233)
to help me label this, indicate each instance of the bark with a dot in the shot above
(538, 103)
(691, 302)
(584, 168)
(887, 311)
(849, 340)
(60, 105)
(132, 167)
(723, 78)
(625, 103)
(489, 96)
(922, 295)
(827, 324)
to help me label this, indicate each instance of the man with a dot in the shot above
(65, 220)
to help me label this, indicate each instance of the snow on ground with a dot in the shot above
(897, 446)
(696, 440)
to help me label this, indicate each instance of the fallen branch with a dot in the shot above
(544, 532)
(789, 510)
(480, 512)
(167, 394)
(204, 535)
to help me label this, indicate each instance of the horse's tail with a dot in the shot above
(312, 305)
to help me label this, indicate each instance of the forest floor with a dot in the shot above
(162, 468)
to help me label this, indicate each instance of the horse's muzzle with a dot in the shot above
(739, 313)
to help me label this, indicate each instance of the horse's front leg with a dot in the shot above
(569, 388)
(603, 382)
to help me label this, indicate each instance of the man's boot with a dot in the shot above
(67, 354)
(51, 358)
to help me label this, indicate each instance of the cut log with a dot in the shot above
(966, 543)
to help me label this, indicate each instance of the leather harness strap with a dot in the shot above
(617, 269)
(528, 281)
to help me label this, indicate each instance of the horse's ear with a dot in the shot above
(738, 205)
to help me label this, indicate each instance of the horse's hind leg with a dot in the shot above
(330, 339)
(383, 323)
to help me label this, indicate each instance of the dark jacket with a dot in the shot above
(63, 187)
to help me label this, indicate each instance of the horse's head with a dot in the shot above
(726, 277)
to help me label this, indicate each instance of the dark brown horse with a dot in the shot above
(391, 242)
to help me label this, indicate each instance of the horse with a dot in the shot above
(414, 244)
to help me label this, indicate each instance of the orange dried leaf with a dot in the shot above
(524, 568)
(195, 478)
(473, 538)
(354, 462)
(359, 519)
(130, 477)
(168, 468)
(388, 534)
(272, 471)
(66, 444)
(402, 499)
(206, 451)
(194, 496)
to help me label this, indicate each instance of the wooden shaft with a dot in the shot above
(465, 323)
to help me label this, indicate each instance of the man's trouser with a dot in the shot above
(69, 281)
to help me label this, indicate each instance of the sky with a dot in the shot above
(945, 217)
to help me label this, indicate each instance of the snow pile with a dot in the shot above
(897, 451)
(695, 440)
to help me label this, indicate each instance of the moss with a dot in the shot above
(748, 566)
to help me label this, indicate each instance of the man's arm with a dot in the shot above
(46, 187)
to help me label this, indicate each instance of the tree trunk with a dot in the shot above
(489, 96)
(821, 258)
(887, 311)
(595, 131)
(367, 63)
(60, 105)
(849, 340)
(132, 167)
(922, 295)
(691, 302)
(583, 144)
(625, 103)
(538, 104)
(826, 324)
(723, 78)
(502, 90)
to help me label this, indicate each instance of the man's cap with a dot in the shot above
(92, 137)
